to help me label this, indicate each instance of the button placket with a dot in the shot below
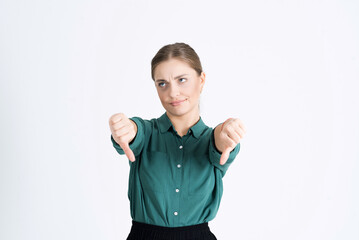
(176, 207)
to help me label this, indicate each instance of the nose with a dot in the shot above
(174, 90)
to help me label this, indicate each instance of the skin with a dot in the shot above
(179, 88)
(187, 88)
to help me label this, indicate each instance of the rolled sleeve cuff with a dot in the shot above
(215, 155)
(137, 143)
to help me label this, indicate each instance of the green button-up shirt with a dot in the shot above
(175, 181)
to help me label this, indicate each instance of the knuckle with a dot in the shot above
(119, 133)
(111, 120)
(239, 122)
(120, 115)
(116, 116)
(123, 116)
(223, 134)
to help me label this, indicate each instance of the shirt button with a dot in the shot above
(178, 165)
(177, 190)
(175, 213)
(180, 147)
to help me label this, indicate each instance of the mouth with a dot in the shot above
(177, 103)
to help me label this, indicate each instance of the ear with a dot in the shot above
(202, 79)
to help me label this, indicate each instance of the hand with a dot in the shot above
(227, 135)
(123, 131)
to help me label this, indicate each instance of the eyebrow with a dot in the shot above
(157, 80)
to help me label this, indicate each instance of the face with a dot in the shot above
(178, 87)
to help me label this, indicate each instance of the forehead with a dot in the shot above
(172, 68)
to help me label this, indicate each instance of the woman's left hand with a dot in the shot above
(227, 135)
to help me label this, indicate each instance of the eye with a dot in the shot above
(161, 84)
(183, 79)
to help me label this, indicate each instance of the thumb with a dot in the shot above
(128, 152)
(224, 156)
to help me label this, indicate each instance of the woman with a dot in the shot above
(176, 161)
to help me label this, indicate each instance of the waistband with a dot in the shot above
(139, 225)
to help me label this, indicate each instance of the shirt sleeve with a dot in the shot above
(215, 155)
(137, 143)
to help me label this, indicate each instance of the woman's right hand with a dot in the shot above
(123, 131)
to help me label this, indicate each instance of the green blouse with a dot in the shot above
(175, 181)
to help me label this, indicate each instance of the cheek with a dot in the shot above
(161, 95)
(194, 92)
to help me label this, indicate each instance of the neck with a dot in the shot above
(183, 122)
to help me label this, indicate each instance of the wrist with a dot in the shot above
(135, 131)
(216, 138)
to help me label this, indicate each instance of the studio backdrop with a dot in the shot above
(287, 69)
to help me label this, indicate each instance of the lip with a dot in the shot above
(176, 103)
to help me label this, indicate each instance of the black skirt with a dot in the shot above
(143, 231)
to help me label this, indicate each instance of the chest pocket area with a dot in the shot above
(154, 171)
(201, 175)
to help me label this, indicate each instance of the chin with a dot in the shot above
(176, 112)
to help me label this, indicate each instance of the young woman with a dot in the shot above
(176, 162)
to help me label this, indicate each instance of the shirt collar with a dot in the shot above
(165, 124)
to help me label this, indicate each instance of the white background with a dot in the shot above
(288, 69)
